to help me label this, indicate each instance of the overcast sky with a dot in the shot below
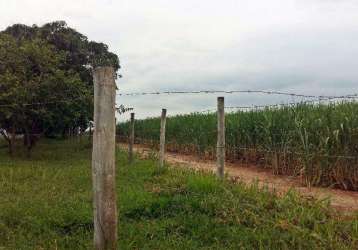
(303, 46)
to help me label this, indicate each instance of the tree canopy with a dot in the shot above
(46, 85)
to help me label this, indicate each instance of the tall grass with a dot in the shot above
(316, 142)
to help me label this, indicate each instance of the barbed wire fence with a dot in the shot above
(291, 94)
(236, 92)
(305, 99)
(313, 99)
(121, 109)
(154, 142)
(281, 159)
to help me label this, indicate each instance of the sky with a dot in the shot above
(301, 46)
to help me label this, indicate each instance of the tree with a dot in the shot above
(80, 53)
(46, 85)
(11, 66)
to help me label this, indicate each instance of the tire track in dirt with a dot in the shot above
(345, 201)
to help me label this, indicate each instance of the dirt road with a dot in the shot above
(346, 201)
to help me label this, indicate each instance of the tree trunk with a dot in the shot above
(25, 140)
(12, 141)
(27, 143)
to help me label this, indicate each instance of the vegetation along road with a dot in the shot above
(45, 203)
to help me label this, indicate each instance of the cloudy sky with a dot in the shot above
(303, 46)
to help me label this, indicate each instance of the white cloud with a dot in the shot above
(308, 46)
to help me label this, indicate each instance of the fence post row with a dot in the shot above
(103, 160)
(162, 138)
(131, 140)
(220, 150)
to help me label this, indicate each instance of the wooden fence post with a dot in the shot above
(162, 138)
(131, 140)
(220, 150)
(103, 160)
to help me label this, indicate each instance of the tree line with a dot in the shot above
(46, 86)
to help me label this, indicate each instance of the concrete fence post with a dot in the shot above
(220, 150)
(162, 138)
(131, 140)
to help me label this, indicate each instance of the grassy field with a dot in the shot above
(45, 203)
(318, 142)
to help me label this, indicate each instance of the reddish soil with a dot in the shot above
(346, 201)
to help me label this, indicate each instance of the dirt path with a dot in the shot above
(342, 200)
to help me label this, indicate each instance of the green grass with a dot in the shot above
(305, 139)
(45, 203)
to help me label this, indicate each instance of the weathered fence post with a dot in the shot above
(220, 150)
(103, 160)
(131, 140)
(162, 138)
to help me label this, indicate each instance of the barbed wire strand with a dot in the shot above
(234, 92)
(320, 97)
(290, 104)
(297, 153)
(350, 157)
(45, 103)
(32, 104)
